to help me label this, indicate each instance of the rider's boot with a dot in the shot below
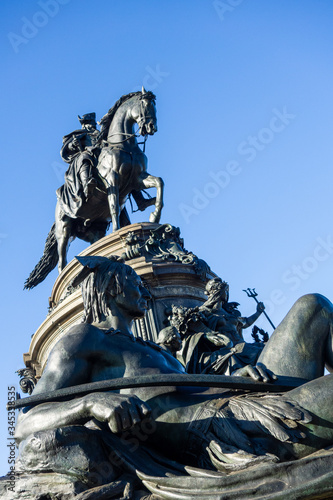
(89, 188)
(88, 181)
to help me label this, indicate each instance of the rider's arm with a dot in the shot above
(75, 145)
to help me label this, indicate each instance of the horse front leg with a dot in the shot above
(113, 199)
(149, 181)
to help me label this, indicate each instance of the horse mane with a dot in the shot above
(105, 122)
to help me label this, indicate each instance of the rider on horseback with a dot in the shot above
(81, 150)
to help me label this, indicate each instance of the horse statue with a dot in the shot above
(121, 171)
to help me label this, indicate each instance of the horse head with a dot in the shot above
(144, 113)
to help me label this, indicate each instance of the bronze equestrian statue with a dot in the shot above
(106, 167)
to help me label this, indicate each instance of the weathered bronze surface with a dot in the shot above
(27, 380)
(212, 339)
(189, 443)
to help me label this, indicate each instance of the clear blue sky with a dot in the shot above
(245, 113)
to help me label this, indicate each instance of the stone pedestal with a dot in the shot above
(156, 252)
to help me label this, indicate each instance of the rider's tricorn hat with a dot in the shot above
(88, 117)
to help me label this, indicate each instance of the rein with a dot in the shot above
(127, 139)
(142, 118)
(121, 142)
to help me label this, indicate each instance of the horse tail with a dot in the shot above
(47, 262)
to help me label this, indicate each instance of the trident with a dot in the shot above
(252, 293)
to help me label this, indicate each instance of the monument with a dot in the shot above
(141, 383)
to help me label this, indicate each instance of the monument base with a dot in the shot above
(309, 478)
(156, 252)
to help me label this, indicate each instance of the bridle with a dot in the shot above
(142, 118)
